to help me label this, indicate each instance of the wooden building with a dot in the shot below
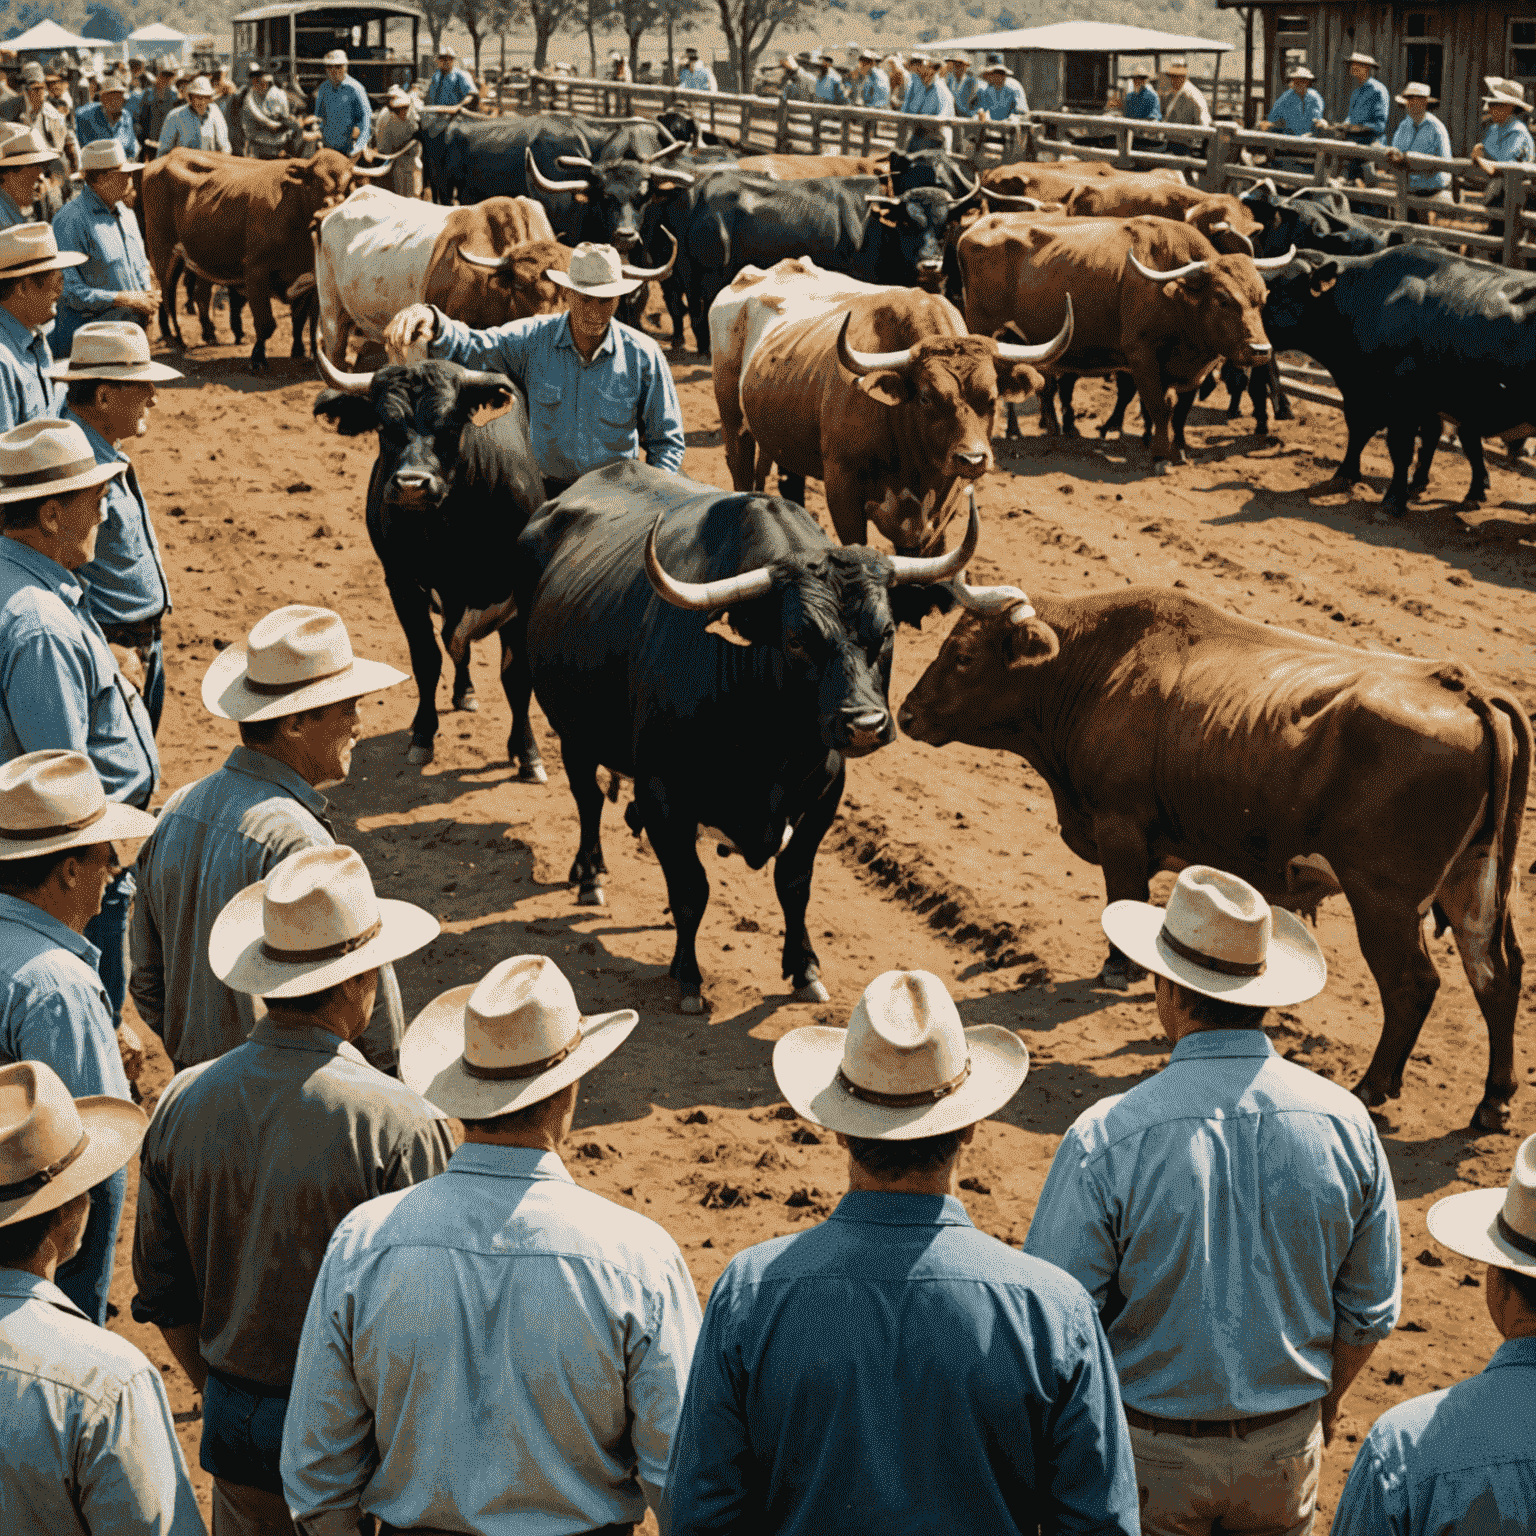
(1450, 46)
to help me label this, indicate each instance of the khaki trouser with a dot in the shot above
(239, 1510)
(1264, 1485)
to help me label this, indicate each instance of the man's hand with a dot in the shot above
(356, 134)
(131, 665)
(145, 302)
(131, 1049)
(1477, 153)
(414, 327)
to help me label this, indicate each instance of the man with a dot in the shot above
(115, 281)
(502, 1296)
(829, 84)
(109, 119)
(155, 105)
(894, 1359)
(449, 84)
(1184, 105)
(395, 130)
(598, 390)
(197, 125)
(962, 84)
(58, 836)
(618, 66)
(46, 120)
(251, 1160)
(60, 97)
(1506, 143)
(31, 281)
(1234, 1218)
(90, 1444)
(928, 96)
(1421, 133)
(868, 85)
(266, 120)
(798, 83)
(1463, 1459)
(11, 98)
(1141, 103)
(1298, 113)
(111, 391)
(695, 75)
(1001, 99)
(341, 104)
(138, 82)
(24, 162)
(1366, 119)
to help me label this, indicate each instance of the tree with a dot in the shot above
(749, 26)
(674, 11)
(480, 19)
(438, 13)
(636, 17)
(548, 16)
(595, 16)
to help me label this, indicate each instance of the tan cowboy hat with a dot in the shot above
(445, 52)
(296, 658)
(510, 1040)
(1416, 90)
(112, 84)
(919, 57)
(21, 146)
(1362, 58)
(1176, 67)
(27, 248)
(597, 271)
(53, 800)
(1219, 937)
(166, 65)
(313, 922)
(1510, 92)
(54, 1148)
(200, 86)
(335, 56)
(1300, 72)
(868, 54)
(49, 458)
(116, 351)
(905, 1067)
(106, 155)
(396, 97)
(1493, 1226)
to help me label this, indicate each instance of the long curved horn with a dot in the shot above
(875, 200)
(574, 162)
(346, 383)
(1008, 200)
(381, 165)
(860, 363)
(1187, 270)
(664, 151)
(544, 184)
(494, 263)
(671, 173)
(655, 274)
(703, 595)
(993, 600)
(1274, 263)
(932, 568)
(1241, 238)
(1048, 351)
(957, 203)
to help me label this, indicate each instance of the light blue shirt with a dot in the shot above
(932, 100)
(59, 682)
(26, 391)
(127, 577)
(184, 129)
(1295, 114)
(1509, 141)
(341, 108)
(1428, 138)
(447, 90)
(90, 1446)
(534, 1335)
(697, 77)
(1243, 1207)
(963, 93)
(110, 238)
(829, 87)
(581, 415)
(1000, 102)
(874, 90)
(10, 214)
(1369, 106)
(91, 125)
(1143, 105)
(1462, 1459)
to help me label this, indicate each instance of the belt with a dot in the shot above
(1201, 1429)
(140, 632)
(246, 1385)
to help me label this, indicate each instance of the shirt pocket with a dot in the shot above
(544, 405)
(615, 406)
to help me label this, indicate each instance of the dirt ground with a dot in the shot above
(936, 853)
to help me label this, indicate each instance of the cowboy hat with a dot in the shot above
(201, 86)
(1362, 58)
(115, 351)
(995, 64)
(20, 146)
(1415, 90)
(296, 658)
(313, 922)
(597, 271)
(1176, 67)
(32, 74)
(957, 58)
(1493, 1226)
(1219, 937)
(870, 54)
(447, 52)
(54, 1148)
(45, 458)
(114, 86)
(1140, 73)
(335, 56)
(397, 97)
(26, 248)
(166, 65)
(514, 1038)
(905, 1067)
(105, 155)
(1300, 72)
(919, 57)
(1510, 92)
(53, 800)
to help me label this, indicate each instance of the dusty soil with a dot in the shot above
(939, 858)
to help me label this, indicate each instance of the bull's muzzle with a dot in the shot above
(865, 731)
(929, 273)
(416, 486)
(971, 464)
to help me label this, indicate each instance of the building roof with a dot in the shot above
(298, 7)
(1084, 37)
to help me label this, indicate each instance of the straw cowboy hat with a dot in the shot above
(49, 458)
(28, 248)
(1493, 1226)
(597, 271)
(105, 155)
(53, 800)
(296, 658)
(114, 85)
(1301, 72)
(54, 1148)
(1510, 92)
(32, 74)
(115, 351)
(313, 922)
(335, 56)
(1362, 58)
(446, 52)
(905, 1067)
(201, 86)
(1176, 67)
(1415, 89)
(21, 146)
(512, 1039)
(1219, 937)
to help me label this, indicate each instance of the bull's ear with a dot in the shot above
(1031, 642)
(889, 386)
(482, 398)
(1324, 275)
(721, 625)
(352, 414)
(1018, 381)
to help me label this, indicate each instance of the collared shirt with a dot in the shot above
(155, 106)
(266, 121)
(1509, 141)
(91, 125)
(829, 87)
(931, 100)
(697, 77)
(1000, 102)
(800, 86)
(537, 1333)
(1186, 107)
(1427, 138)
(10, 214)
(59, 682)
(448, 90)
(184, 129)
(1243, 1207)
(109, 237)
(891, 1360)
(53, 1006)
(1461, 1459)
(1295, 114)
(55, 130)
(341, 108)
(26, 391)
(1143, 105)
(964, 92)
(214, 838)
(873, 89)
(247, 1167)
(1369, 106)
(581, 415)
(127, 582)
(90, 1446)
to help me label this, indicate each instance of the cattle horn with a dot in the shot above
(876, 200)
(346, 383)
(993, 600)
(495, 263)
(381, 165)
(860, 363)
(1008, 200)
(1047, 351)
(703, 595)
(1189, 269)
(930, 568)
(575, 162)
(655, 274)
(544, 184)
(1274, 263)
(664, 151)
(957, 203)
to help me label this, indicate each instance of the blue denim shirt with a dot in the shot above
(1461, 1459)
(26, 392)
(1295, 114)
(895, 1360)
(697, 78)
(127, 577)
(829, 87)
(117, 264)
(1369, 106)
(91, 125)
(1002, 102)
(1143, 105)
(963, 92)
(341, 108)
(1510, 141)
(581, 415)
(184, 129)
(446, 90)
(874, 90)
(1428, 138)
(930, 100)
(59, 682)
(1243, 1207)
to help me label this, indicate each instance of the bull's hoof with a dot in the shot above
(1161, 467)
(690, 1002)
(466, 702)
(1390, 503)
(419, 755)
(531, 771)
(210, 337)
(814, 991)
(591, 896)
(1119, 974)
(1233, 412)
(1491, 1117)
(1372, 1095)
(1470, 504)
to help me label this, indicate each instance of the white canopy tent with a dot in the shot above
(48, 37)
(156, 39)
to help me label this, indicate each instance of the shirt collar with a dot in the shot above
(886, 1208)
(97, 200)
(49, 572)
(15, 910)
(566, 340)
(106, 453)
(26, 1286)
(257, 765)
(508, 1162)
(304, 1037)
(1510, 1352)
(24, 337)
(1210, 1043)
(6, 203)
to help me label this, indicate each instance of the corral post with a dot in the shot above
(1400, 193)
(1218, 154)
(869, 133)
(1123, 148)
(1319, 169)
(781, 127)
(1514, 206)
(847, 133)
(815, 133)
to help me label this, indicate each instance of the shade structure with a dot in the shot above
(158, 32)
(48, 35)
(1084, 37)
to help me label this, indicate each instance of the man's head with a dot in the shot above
(594, 285)
(958, 63)
(136, 66)
(1177, 72)
(52, 490)
(823, 63)
(165, 74)
(107, 170)
(111, 381)
(35, 92)
(1360, 68)
(1139, 78)
(787, 63)
(398, 102)
(924, 66)
(113, 94)
(1301, 80)
(57, 86)
(1415, 100)
(316, 743)
(24, 161)
(446, 58)
(32, 272)
(335, 66)
(200, 95)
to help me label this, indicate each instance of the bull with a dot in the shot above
(1053, 181)
(1223, 219)
(1308, 224)
(807, 167)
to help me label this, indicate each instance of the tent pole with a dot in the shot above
(1246, 117)
(1215, 82)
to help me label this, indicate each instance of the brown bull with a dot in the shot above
(1052, 181)
(509, 281)
(1155, 299)
(1224, 220)
(1171, 733)
(803, 167)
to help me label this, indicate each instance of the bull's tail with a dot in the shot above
(1509, 783)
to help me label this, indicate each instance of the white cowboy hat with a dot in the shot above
(1362, 58)
(113, 83)
(1300, 72)
(296, 658)
(200, 86)
(20, 146)
(54, 1148)
(105, 155)
(116, 351)
(28, 248)
(1493, 1226)
(1414, 90)
(1176, 67)
(335, 56)
(597, 271)
(445, 52)
(396, 97)
(1219, 937)
(512, 1039)
(53, 800)
(905, 1067)
(1510, 92)
(49, 458)
(313, 922)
